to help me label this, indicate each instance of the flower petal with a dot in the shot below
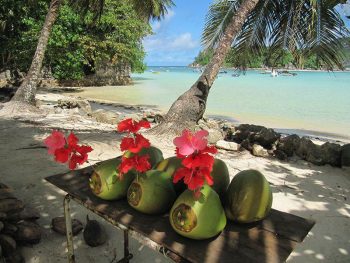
(184, 143)
(72, 140)
(62, 155)
(55, 141)
(125, 125)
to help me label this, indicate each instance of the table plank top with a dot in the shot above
(270, 240)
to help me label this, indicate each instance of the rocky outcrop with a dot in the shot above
(104, 116)
(229, 146)
(17, 226)
(345, 156)
(84, 105)
(252, 134)
(288, 144)
(264, 142)
(258, 150)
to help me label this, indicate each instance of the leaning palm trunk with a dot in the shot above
(26, 92)
(189, 108)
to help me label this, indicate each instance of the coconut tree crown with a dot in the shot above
(302, 27)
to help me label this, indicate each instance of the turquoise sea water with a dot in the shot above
(318, 101)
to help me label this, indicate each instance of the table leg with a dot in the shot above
(69, 232)
(127, 255)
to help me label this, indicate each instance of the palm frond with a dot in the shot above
(152, 9)
(216, 20)
(300, 27)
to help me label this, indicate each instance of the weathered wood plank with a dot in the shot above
(271, 240)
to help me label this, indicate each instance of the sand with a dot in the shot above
(321, 193)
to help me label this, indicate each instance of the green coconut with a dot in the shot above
(152, 193)
(248, 198)
(155, 155)
(105, 183)
(220, 176)
(170, 165)
(198, 219)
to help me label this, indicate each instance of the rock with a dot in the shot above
(134, 116)
(84, 105)
(104, 116)
(8, 244)
(289, 144)
(229, 146)
(247, 145)
(331, 154)
(259, 151)
(207, 124)
(3, 216)
(26, 214)
(214, 136)
(345, 156)
(74, 103)
(281, 155)
(228, 126)
(11, 205)
(304, 147)
(59, 225)
(328, 153)
(256, 134)
(94, 233)
(15, 257)
(244, 131)
(28, 233)
(4, 186)
(265, 137)
(9, 229)
(6, 194)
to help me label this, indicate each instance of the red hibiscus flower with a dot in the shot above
(139, 163)
(129, 125)
(55, 141)
(196, 158)
(67, 150)
(188, 143)
(135, 144)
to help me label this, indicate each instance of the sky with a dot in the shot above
(176, 38)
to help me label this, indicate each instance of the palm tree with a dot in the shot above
(150, 9)
(312, 26)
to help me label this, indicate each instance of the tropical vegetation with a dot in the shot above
(93, 10)
(76, 44)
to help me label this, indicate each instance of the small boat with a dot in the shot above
(274, 73)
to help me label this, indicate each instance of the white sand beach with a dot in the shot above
(321, 193)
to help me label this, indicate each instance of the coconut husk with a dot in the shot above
(59, 225)
(94, 233)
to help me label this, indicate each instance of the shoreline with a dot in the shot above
(319, 135)
(263, 69)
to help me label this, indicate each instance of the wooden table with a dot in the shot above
(271, 240)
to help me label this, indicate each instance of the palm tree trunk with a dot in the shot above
(189, 108)
(26, 92)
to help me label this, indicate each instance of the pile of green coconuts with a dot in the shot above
(246, 199)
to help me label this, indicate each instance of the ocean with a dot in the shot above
(309, 102)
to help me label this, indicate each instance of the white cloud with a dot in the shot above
(184, 41)
(157, 25)
(180, 42)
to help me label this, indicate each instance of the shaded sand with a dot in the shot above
(300, 188)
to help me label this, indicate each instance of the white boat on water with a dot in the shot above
(274, 73)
